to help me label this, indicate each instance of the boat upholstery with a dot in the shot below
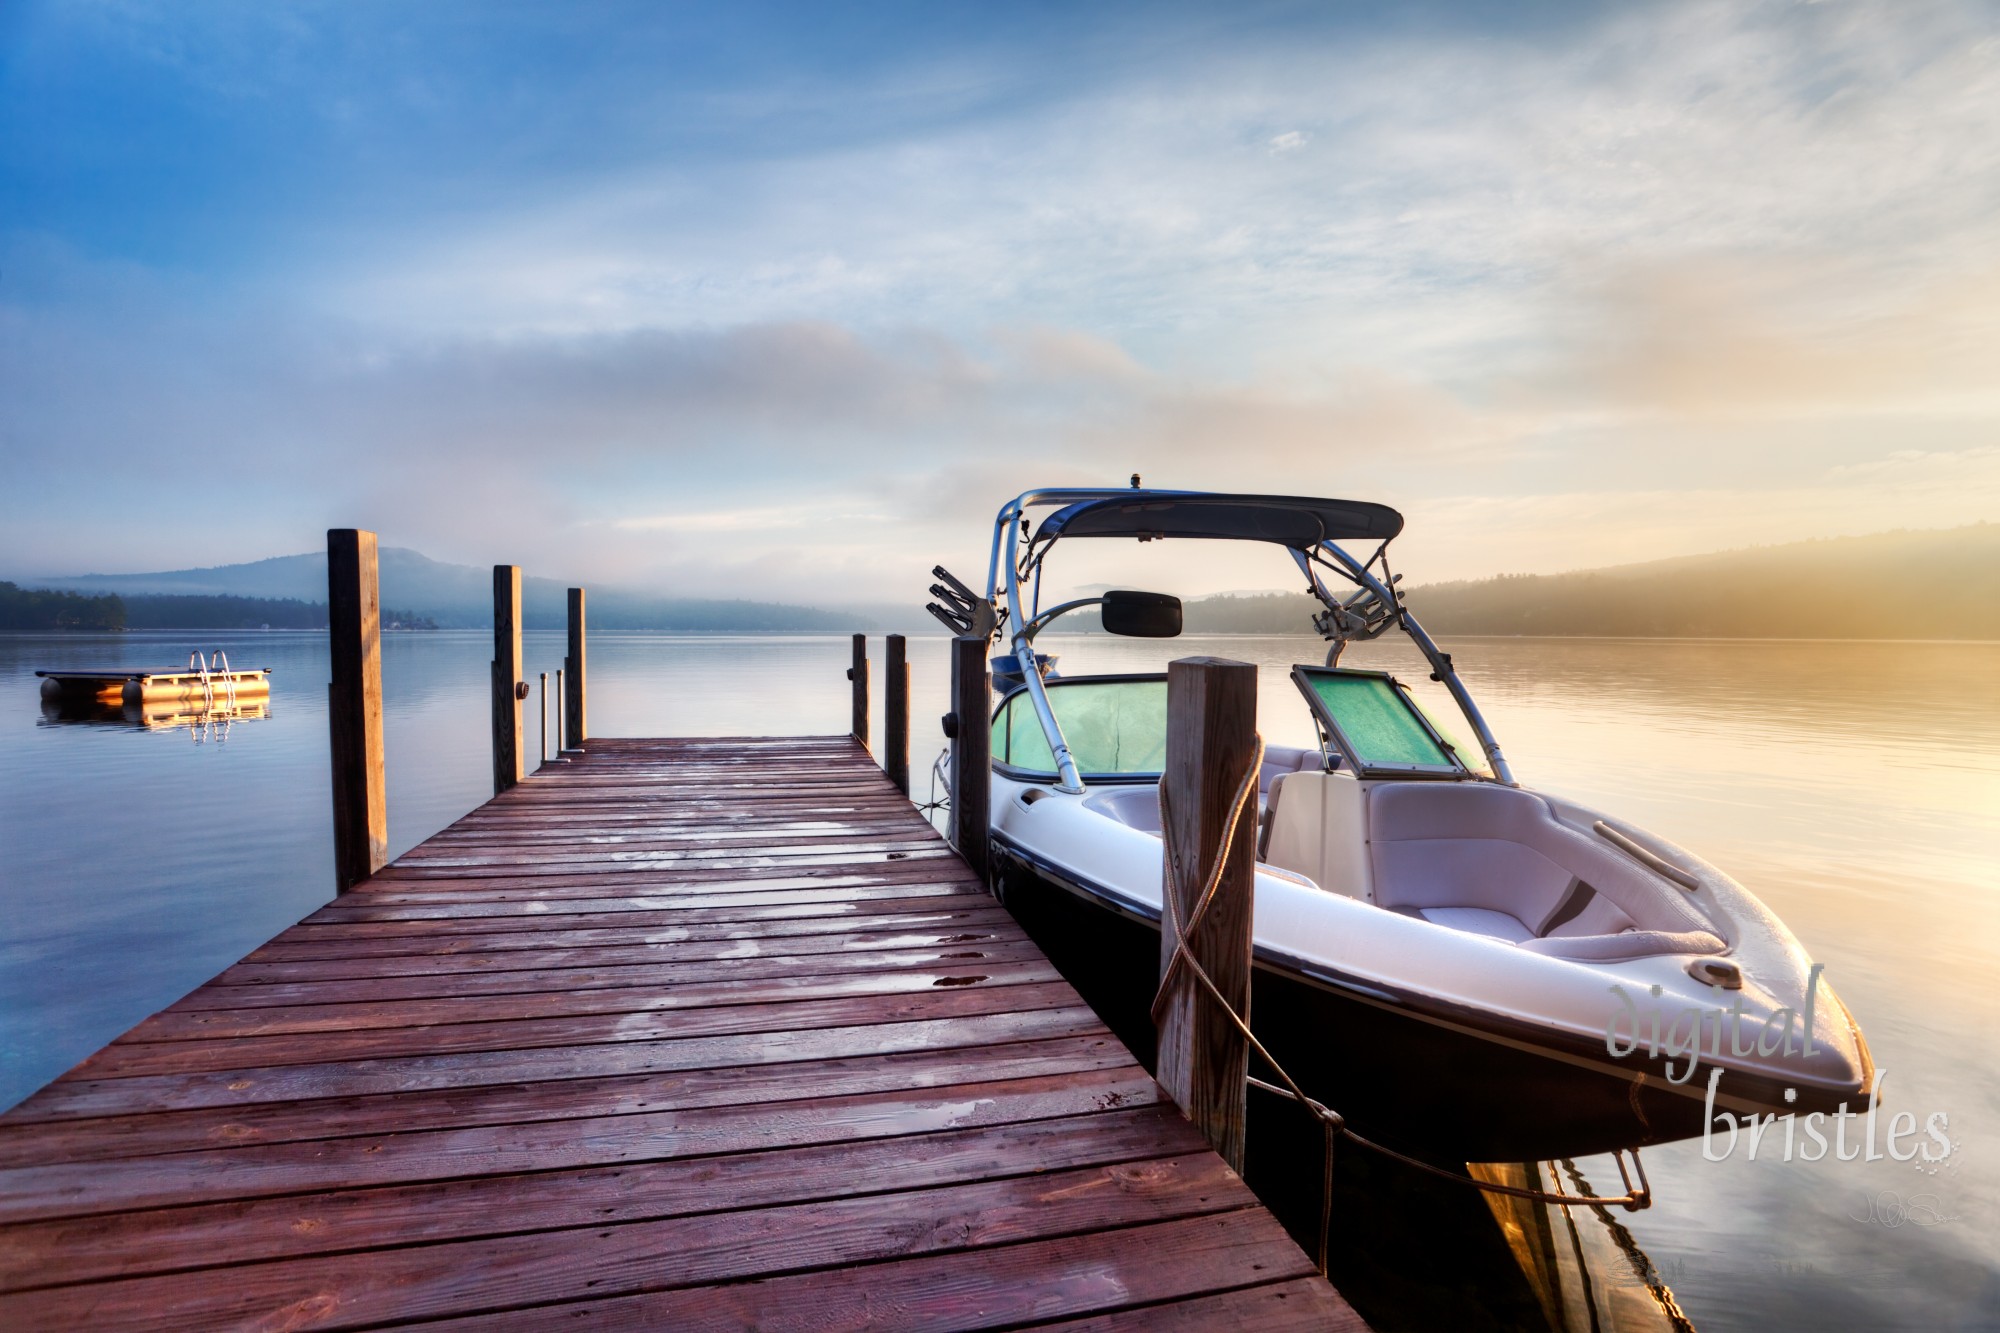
(1495, 861)
(1282, 759)
(1139, 806)
(1479, 921)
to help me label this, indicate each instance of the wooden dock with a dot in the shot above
(682, 1034)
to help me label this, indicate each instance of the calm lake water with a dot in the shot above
(1855, 787)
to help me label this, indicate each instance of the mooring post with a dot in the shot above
(545, 719)
(858, 673)
(969, 726)
(508, 687)
(1211, 739)
(354, 707)
(574, 701)
(562, 738)
(896, 712)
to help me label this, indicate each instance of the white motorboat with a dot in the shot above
(1457, 964)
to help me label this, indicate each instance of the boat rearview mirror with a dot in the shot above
(1142, 615)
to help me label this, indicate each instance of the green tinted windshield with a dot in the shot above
(1112, 726)
(1376, 720)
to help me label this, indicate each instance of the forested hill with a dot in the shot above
(1895, 585)
(35, 609)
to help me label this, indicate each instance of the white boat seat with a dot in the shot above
(1441, 850)
(1139, 806)
(1474, 921)
(1282, 759)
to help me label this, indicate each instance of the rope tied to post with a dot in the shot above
(1169, 898)
(1335, 1126)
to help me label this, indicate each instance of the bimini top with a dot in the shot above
(1286, 519)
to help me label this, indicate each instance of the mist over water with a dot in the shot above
(1855, 787)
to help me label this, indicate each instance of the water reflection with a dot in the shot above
(1583, 1263)
(203, 724)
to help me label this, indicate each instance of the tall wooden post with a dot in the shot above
(896, 712)
(971, 750)
(354, 707)
(1211, 736)
(507, 683)
(858, 673)
(575, 702)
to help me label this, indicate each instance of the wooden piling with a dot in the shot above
(507, 683)
(858, 673)
(354, 707)
(1211, 739)
(545, 717)
(575, 700)
(896, 712)
(971, 750)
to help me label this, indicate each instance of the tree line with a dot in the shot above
(35, 609)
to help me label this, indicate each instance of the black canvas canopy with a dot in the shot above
(1288, 520)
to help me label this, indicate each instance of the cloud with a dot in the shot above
(1594, 288)
(1451, 184)
(1071, 355)
(1721, 336)
(1469, 535)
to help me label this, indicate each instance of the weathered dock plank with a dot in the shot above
(684, 1033)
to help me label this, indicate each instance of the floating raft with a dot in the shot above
(169, 685)
(688, 1034)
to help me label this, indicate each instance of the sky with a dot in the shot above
(783, 301)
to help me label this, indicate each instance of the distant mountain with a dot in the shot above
(461, 596)
(1942, 584)
(1895, 585)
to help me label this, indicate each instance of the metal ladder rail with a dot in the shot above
(199, 664)
(221, 660)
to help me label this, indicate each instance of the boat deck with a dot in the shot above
(684, 1033)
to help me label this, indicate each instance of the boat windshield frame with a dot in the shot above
(1374, 607)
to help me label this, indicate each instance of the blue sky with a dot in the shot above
(647, 293)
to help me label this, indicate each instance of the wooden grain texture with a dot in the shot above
(769, 1078)
(1211, 739)
(896, 712)
(509, 761)
(575, 702)
(971, 751)
(858, 675)
(354, 706)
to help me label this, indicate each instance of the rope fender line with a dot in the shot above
(1632, 1200)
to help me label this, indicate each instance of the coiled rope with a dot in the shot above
(1335, 1126)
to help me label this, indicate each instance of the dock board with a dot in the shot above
(684, 1034)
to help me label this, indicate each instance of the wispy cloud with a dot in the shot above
(1618, 287)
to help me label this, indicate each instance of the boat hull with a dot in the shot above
(1436, 1086)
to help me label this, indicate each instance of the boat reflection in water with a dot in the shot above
(1497, 1261)
(1583, 1264)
